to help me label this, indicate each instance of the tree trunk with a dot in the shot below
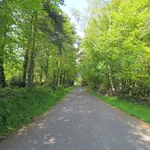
(25, 66)
(58, 72)
(2, 75)
(111, 80)
(26, 58)
(46, 71)
(64, 78)
(41, 76)
(31, 66)
(32, 58)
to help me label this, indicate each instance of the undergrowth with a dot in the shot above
(20, 106)
(137, 110)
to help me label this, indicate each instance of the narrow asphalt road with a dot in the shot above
(81, 122)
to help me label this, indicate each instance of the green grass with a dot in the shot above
(139, 111)
(19, 106)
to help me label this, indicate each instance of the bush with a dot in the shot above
(19, 106)
(16, 82)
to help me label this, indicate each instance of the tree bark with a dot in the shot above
(41, 76)
(32, 59)
(31, 66)
(26, 59)
(111, 80)
(58, 72)
(25, 66)
(2, 74)
(46, 71)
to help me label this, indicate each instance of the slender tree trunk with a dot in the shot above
(25, 66)
(2, 74)
(26, 58)
(122, 85)
(41, 76)
(55, 78)
(64, 78)
(46, 72)
(32, 59)
(67, 79)
(31, 66)
(58, 72)
(111, 80)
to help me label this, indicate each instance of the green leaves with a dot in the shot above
(33, 34)
(116, 47)
(20, 106)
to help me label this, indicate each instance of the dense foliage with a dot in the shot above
(36, 49)
(36, 44)
(19, 106)
(116, 48)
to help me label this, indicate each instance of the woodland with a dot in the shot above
(36, 44)
(116, 49)
(39, 61)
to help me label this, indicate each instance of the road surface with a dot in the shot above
(81, 122)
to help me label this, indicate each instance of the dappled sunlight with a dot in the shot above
(46, 114)
(143, 137)
(52, 141)
(32, 124)
(41, 124)
(35, 142)
(22, 130)
(66, 109)
(61, 118)
(66, 120)
(142, 132)
(85, 124)
(41, 127)
(47, 139)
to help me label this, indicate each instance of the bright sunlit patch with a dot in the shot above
(20, 132)
(41, 124)
(52, 141)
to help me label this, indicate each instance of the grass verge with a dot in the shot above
(19, 106)
(136, 110)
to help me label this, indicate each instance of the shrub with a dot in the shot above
(19, 106)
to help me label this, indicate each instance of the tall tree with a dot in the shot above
(115, 49)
